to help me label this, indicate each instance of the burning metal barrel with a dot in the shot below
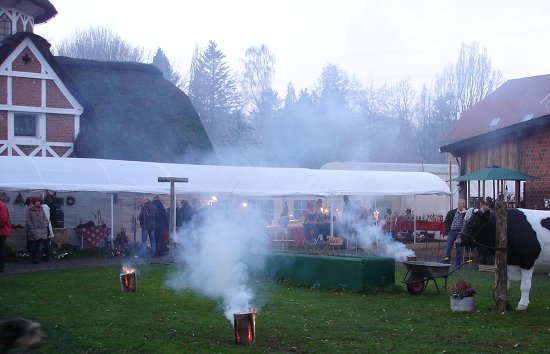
(128, 280)
(245, 327)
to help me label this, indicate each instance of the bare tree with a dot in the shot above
(431, 125)
(401, 101)
(256, 81)
(468, 81)
(459, 87)
(99, 43)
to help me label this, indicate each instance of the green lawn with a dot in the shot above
(84, 311)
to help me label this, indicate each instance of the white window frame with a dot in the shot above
(40, 136)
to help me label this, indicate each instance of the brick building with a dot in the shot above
(509, 128)
(65, 107)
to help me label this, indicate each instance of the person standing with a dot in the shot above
(161, 227)
(48, 241)
(185, 214)
(5, 231)
(453, 225)
(283, 217)
(37, 228)
(147, 221)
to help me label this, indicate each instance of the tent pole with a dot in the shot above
(112, 217)
(330, 214)
(451, 185)
(414, 216)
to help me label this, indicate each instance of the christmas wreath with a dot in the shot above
(70, 200)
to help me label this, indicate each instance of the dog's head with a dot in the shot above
(20, 333)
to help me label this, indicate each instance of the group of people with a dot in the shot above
(453, 224)
(39, 231)
(154, 222)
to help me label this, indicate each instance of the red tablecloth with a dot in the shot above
(408, 225)
(93, 234)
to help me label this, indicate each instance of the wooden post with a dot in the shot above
(501, 291)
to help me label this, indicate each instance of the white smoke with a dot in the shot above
(375, 241)
(218, 254)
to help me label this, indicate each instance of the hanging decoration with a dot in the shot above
(19, 200)
(4, 197)
(70, 200)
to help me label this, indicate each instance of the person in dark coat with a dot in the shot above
(162, 227)
(184, 214)
(148, 221)
(37, 228)
(453, 225)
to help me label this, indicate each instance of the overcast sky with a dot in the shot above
(379, 41)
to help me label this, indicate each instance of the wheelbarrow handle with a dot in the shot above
(460, 266)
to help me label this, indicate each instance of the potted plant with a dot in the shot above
(462, 296)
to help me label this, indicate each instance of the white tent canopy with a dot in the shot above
(112, 176)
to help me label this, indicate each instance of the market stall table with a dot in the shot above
(408, 226)
(93, 234)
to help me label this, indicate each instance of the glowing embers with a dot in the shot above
(245, 326)
(128, 280)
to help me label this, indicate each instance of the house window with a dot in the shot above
(5, 27)
(24, 124)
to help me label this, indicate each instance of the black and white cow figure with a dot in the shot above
(528, 242)
(20, 333)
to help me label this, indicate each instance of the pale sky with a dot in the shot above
(379, 41)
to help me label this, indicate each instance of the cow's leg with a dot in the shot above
(525, 287)
(514, 274)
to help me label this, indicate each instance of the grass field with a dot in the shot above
(84, 311)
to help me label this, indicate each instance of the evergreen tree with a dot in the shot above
(213, 92)
(163, 64)
(290, 98)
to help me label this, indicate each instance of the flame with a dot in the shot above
(249, 332)
(126, 269)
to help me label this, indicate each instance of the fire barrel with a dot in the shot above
(245, 327)
(128, 282)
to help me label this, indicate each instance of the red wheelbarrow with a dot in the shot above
(420, 273)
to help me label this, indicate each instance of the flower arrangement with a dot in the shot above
(461, 289)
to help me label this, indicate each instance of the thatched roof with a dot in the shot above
(132, 113)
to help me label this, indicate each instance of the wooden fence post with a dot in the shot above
(501, 291)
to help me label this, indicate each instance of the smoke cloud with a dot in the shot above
(375, 241)
(217, 253)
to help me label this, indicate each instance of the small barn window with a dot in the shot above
(5, 27)
(24, 124)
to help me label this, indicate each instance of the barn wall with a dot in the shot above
(536, 150)
(527, 152)
(506, 153)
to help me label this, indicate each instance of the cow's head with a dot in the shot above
(475, 221)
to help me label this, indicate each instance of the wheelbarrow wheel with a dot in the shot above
(415, 284)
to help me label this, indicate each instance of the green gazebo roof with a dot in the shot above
(495, 173)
